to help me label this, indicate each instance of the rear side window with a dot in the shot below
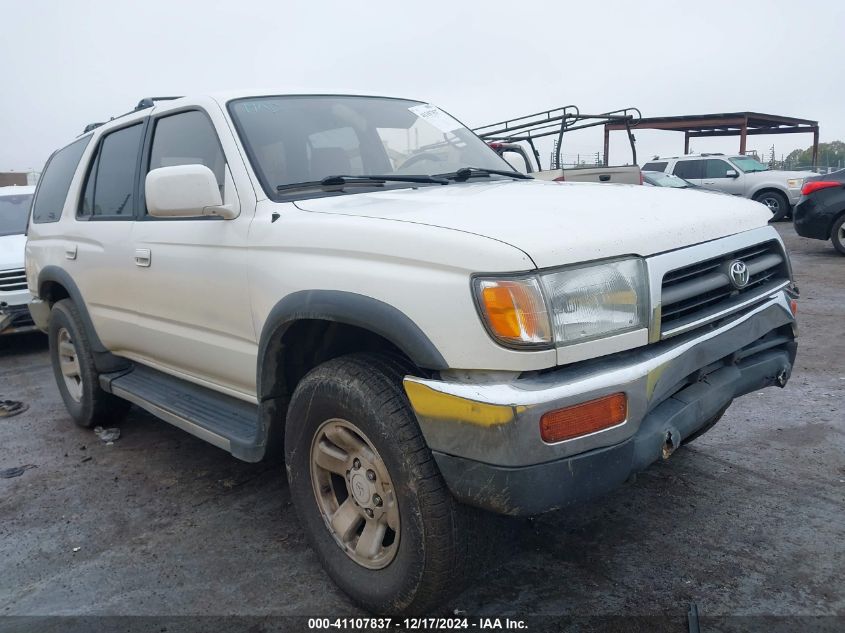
(110, 187)
(689, 169)
(655, 166)
(187, 138)
(55, 182)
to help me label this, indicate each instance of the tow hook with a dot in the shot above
(670, 443)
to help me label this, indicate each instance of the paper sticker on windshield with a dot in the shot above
(436, 117)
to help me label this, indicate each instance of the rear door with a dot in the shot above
(190, 285)
(97, 248)
(692, 170)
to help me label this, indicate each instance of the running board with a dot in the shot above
(221, 420)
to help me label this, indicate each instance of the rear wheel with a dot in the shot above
(367, 489)
(76, 375)
(777, 203)
(837, 235)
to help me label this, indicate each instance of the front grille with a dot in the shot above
(704, 289)
(20, 316)
(14, 279)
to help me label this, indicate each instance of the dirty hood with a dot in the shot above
(561, 223)
(12, 251)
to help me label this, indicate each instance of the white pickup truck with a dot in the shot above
(521, 160)
(361, 284)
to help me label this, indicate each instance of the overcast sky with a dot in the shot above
(67, 63)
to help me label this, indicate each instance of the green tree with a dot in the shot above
(830, 155)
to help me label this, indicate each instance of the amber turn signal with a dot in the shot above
(584, 418)
(515, 311)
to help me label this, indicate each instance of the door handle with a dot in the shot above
(142, 257)
(604, 177)
(70, 251)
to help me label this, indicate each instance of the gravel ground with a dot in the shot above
(748, 521)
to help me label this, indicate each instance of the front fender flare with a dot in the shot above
(351, 309)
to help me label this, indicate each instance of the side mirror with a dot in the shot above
(185, 191)
(731, 173)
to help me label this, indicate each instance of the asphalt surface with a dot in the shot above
(748, 521)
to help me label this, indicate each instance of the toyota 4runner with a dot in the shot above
(362, 284)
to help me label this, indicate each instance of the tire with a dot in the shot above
(777, 203)
(709, 425)
(424, 561)
(837, 235)
(76, 376)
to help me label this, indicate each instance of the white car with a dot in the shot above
(14, 296)
(362, 283)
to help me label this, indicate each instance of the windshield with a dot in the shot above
(659, 179)
(748, 164)
(300, 139)
(14, 211)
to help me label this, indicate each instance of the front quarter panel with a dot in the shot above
(421, 271)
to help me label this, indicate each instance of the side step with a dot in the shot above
(222, 420)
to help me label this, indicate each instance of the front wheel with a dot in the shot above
(777, 203)
(837, 235)
(367, 489)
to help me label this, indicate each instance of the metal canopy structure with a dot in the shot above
(740, 124)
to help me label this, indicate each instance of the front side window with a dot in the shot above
(187, 138)
(14, 211)
(715, 168)
(110, 187)
(689, 169)
(302, 139)
(55, 182)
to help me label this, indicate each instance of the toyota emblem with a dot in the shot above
(738, 273)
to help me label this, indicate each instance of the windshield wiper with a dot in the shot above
(337, 183)
(465, 173)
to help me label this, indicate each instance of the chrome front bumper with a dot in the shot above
(497, 423)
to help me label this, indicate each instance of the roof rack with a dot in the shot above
(149, 102)
(143, 104)
(556, 121)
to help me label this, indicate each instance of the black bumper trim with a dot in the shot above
(532, 490)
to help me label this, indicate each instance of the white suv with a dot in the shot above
(738, 175)
(362, 283)
(14, 296)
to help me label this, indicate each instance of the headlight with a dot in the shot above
(598, 300)
(795, 183)
(565, 306)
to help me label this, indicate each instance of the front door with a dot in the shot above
(190, 275)
(716, 176)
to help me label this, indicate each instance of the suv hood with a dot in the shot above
(561, 223)
(12, 251)
(778, 175)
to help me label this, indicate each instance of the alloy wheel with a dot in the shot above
(355, 494)
(69, 365)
